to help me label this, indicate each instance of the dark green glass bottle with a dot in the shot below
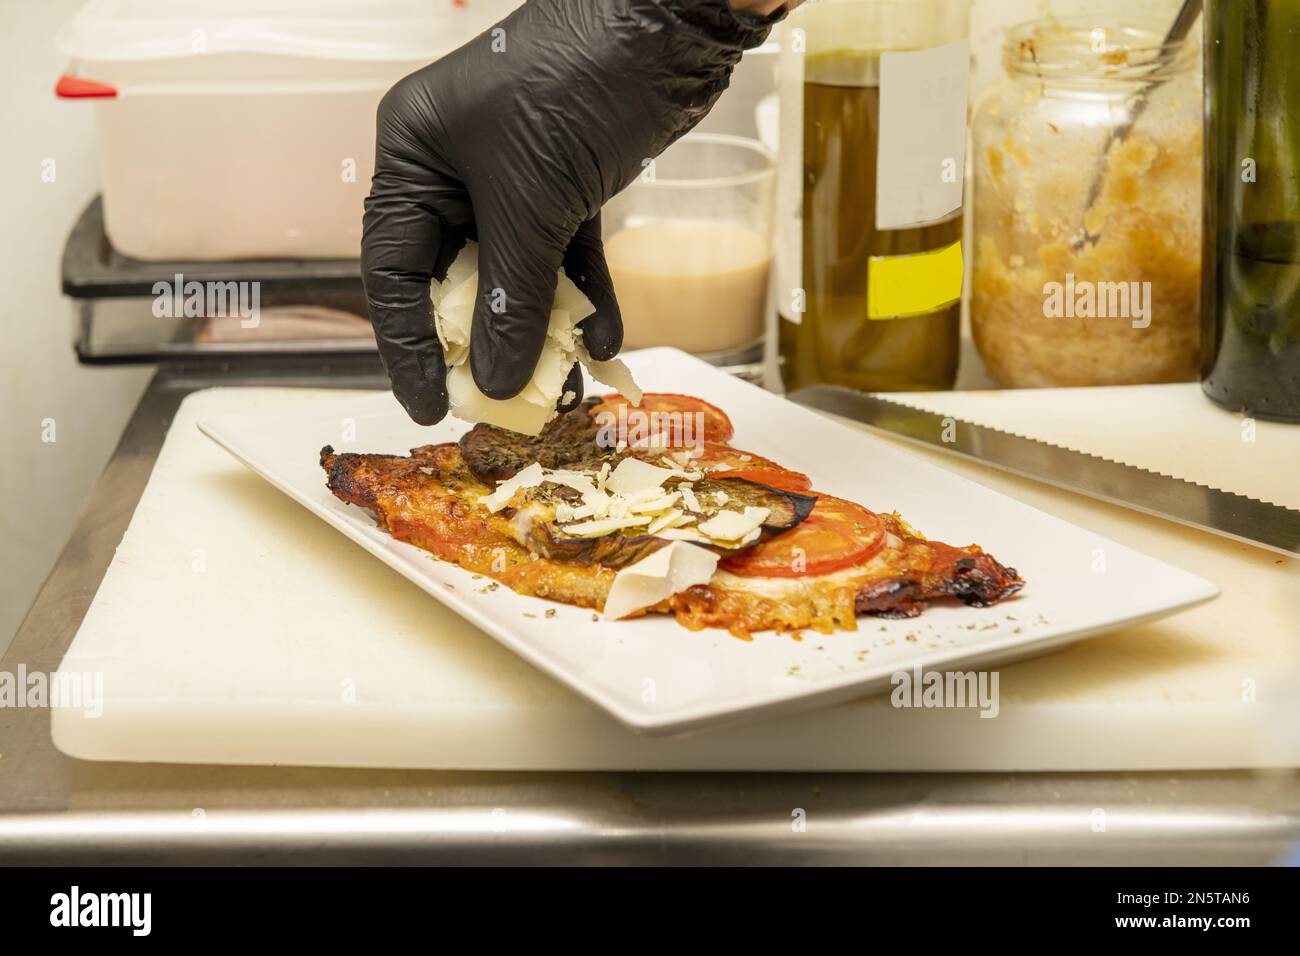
(1251, 274)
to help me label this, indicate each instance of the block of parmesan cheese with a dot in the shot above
(529, 411)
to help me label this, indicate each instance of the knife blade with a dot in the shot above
(1199, 506)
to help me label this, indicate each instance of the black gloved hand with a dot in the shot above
(516, 140)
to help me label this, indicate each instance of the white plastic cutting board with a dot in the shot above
(246, 618)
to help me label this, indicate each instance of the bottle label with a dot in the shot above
(921, 165)
(899, 287)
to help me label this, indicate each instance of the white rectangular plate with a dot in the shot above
(655, 676)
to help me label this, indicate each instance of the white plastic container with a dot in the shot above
(245, 129)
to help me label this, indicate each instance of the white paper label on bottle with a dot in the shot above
(788, 264)
(921, 165)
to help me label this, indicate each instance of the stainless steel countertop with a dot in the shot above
(54, 808)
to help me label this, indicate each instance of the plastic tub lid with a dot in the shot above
(120, 30)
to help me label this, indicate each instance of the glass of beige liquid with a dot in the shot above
(689, 245)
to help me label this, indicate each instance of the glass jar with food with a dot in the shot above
(1087, 207)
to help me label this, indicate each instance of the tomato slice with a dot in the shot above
(724, 461)
(680, 417)
(838, 534)
(778, 478)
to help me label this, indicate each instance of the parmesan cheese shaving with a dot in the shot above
(601, 526)
(666, 520)
(530, 477)
(633, 475)
(613, 373)
(735, 525)
(654, 505)
(634, 497)
(683, 534)
(658, 576)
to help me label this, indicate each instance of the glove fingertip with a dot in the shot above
(602, 333)
(508, 333)
(418, 376)
(573, 389)
(585, 264)
(425, 400)
(425, 411)
(500, 381)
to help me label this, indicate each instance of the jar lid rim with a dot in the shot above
(1086, 48)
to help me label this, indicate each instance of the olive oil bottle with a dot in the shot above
(1251, 272)
(838, 339)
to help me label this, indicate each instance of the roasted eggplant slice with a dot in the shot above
(613, 550)
(787, 508)
(494, 454)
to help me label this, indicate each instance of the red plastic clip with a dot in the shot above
(76, 88)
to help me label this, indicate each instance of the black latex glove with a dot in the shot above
(516, 140)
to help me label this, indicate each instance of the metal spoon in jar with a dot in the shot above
(1191, 9)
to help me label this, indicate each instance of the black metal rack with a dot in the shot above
(113, 296)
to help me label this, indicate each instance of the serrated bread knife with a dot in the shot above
(1210, 509)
